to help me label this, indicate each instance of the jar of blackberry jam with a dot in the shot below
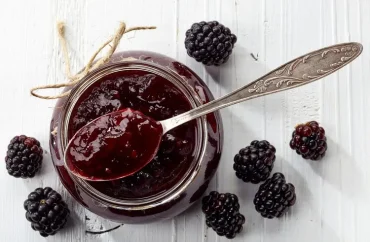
(161, 88)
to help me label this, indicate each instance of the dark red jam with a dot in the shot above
(114, 145)
(157, 98)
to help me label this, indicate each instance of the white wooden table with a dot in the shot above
(333, 194)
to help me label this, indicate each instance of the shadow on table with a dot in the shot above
(337, 159)
(250, 67)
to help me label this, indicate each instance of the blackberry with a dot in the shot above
(24, 157)
(274, 197)
(222, 214)
(46, 211)
(209, 42)
(255, 162)
(309, 141)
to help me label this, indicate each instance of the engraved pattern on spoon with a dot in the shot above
(287, 76)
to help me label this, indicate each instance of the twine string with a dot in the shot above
(90, 66)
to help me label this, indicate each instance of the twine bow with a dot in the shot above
(90, 66)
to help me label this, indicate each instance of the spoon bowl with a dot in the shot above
(113, 146)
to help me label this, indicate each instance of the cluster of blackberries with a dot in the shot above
(45, 209)
(254, 164)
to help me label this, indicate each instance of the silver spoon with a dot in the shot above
(300, 71)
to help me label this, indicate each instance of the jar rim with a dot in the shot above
(201, 130)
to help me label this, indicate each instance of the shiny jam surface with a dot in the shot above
(157, 98)
(114, 145)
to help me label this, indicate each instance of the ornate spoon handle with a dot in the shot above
(300, 71)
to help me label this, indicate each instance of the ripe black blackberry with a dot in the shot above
(255, 162)
(309, 141)
(274, 197)
(222, 214)
(24, 157)
(46, 211)
(209, 42)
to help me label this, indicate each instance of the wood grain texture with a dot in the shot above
(333, 195)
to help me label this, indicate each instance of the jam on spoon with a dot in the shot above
(114, 145)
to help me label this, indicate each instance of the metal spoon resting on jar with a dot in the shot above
(90, 154)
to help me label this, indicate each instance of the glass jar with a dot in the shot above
(187, 188)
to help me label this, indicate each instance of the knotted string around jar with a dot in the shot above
(74, 79)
